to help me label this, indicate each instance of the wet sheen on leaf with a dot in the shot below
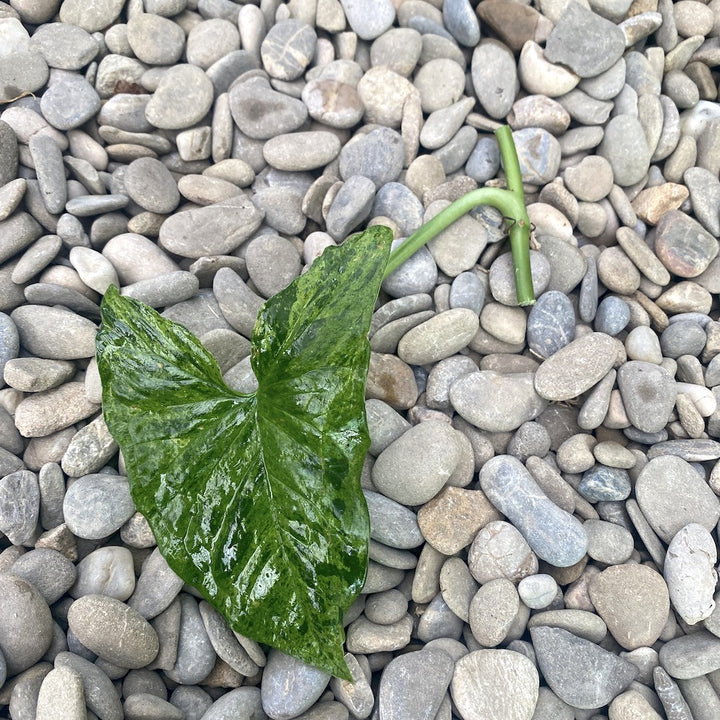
(255, 499)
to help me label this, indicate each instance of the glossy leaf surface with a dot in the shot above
(255, 499)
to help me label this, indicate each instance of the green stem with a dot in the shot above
(510, 202)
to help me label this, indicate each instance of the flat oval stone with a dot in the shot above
(414, 684)
(494, 77)
(563, 659)
(48, 570)
(137, 258)
(690, 656)
(282, 672)
(648, 393)
(369, 20)
(95, 506)
(392, 523)
(496, 402)
(100, 694)
(584, 41)
(576, 368)
(156, 588)
(19, 506)
(26, 625)
(42, 414)
(301, 151)
(633, 601)
(683, 246)
(500, 551)
(54, 333)
(378, 156)
(602, 483)
(261, 112)
(154, 39)
(105, 571)
(690, 574)
(114, 631)
(414, 468)
(495, 685)
(288, 48)
(69, 102)
(151, 185)
(550, 324)
(452, 519)
(625, 148)
(439, 337)
(213, 230)
(661, 482)
(554, 534)
(195, 654)
(538, 155)
(182, 98)
(492, 611)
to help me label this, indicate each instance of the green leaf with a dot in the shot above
(255, 499)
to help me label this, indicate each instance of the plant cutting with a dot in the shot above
(255, 499)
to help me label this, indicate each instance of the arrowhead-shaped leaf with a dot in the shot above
(255, 499)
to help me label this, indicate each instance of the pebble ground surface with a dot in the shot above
(542, 483)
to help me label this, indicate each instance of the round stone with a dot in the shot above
(301, 151)
(154, 39)
(550, 324)
(333, 103)
(591, 179)
(495, 685)
(26, 625)
(114, 631)
(212, 41)
(182, 98)
(492, 611)
(97, 505)
(439, 337)
(283, 671)
(690, 573)
(648, 393)
(496, 402)
(288, 48)
(105, 571)
(414, 684)
(441, 82)
(624, 146)
(661, 482)
(538, 154)
(537, 591)
(684, 247)
(69, 102)
(151, 185)
(369, 19)
(410, 474)
(500, 551)
(576, 368)
(494, 77)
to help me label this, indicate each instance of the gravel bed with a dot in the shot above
(543, 482)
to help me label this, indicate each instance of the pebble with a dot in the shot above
(605, 484)
(552, 533)
(648, 393)
(97, 505)
(288, 48)
(61, 695)
(69, 102)
(112, 630)
(495, 684)
(105, 571)
(391, 523)
(683, 246)
(26, 625)
(550, 324)
(625, 148)
(99, 694)
(301, 151)
(499, 550)
(156, 587)
(151, 185)
(576, 367)
(537, 591)
(452, 519)
(377, 156)
(50, 572)
(584, 41)
(655, 489)
(398, 476)
(496, 402)
(690, 574)
(540, 76)
(690, 656)
(563, 657)
(414, 685)
(494, 77)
